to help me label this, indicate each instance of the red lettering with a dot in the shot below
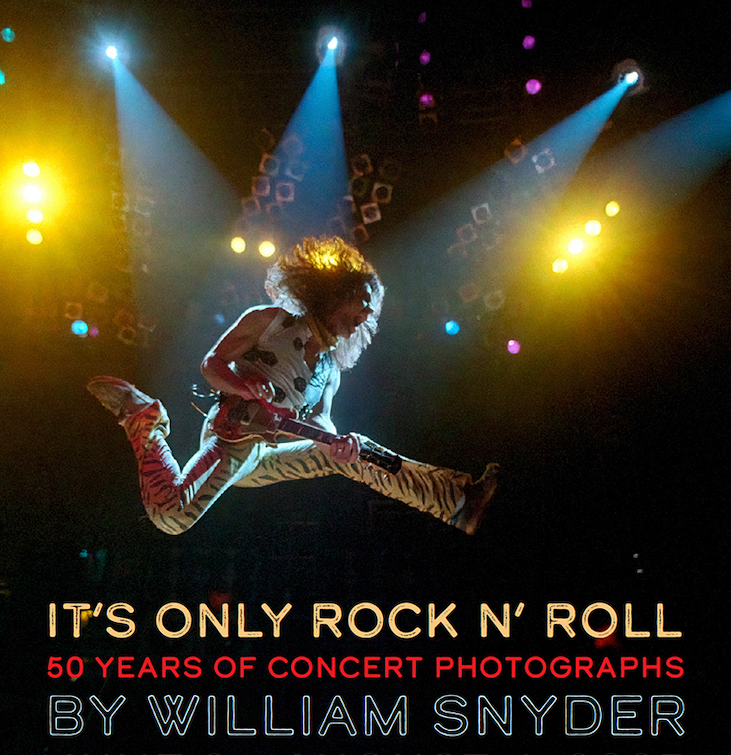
(392, 663)
(444, 663)
(170, 664)
(584, 663)
(677, 667)
(513, 660)
(606, 668)
(105, 666)
(627, 663)
(370, 668)
(147, 668)
(124, 665)
(193, 669)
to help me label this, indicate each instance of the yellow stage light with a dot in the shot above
(34, 236)
(612, 209)
(576, 246)
(593, 228)
(34, 216)
(31, 169)
(560, 266)
(238, 245)
(267, 249)
(32, 193)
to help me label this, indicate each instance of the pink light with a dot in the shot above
(422, 18)
(529, 42)
(426, 100)
(526, 3)
(533, 86)
(513, 346)
(425, 58)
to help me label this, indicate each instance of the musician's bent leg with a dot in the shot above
(434, 490)
(174, 500)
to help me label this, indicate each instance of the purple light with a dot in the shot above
(529, 42)
(425, 58)
(526, 3)
(426, 100)
(422, 17)
(533, 86)
(513, 346)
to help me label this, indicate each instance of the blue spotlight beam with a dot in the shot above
(520, 192)
(666, 165)
(179, 209)
(317, 124)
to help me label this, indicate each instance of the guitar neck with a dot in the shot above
(390, 462)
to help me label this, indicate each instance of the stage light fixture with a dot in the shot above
(238, 244)
(32, 193)
(34, 236)
(560, 266)
(7, 34)
(330, 42)
(31, 169)
(576, 246)
(612, 209)
(451, 328)
(267, 249)
(513, 346)
(533, 86)
(2, 78)
(34, 216)
(629, 74)
(79, 328)
(112, 52)
(593, 228)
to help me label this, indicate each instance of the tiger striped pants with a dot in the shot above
(174, 500)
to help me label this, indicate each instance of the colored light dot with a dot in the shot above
(267, 249)
(31, 169)
(426, 99)
(632, 77)
(526, 3)
(612, 209)
(34, 216)
(238, 245)
(425, 58)
(34, 236)
(79, 328)
(576, 246)
(513, 346)
(7, 34)
(332, 44)
(533, 86)
(452, 328)
(593, 228)
(32, 193)
(2, 78)
(529, 42)
(560, 266)
(112, 52)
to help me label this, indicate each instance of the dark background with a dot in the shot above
(610, 425)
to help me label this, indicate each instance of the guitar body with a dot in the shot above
(238, 420)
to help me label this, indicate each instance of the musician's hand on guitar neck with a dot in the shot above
(345, 448)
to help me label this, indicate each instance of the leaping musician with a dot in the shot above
(277, 370)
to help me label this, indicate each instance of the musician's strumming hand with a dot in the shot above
(258, 388)
(345, 448)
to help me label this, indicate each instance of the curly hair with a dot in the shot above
(319, 276)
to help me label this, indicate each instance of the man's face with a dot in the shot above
(344, 320)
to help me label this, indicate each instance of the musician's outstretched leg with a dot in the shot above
(174, 500)
(435, 490)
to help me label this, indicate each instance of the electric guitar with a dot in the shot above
(238, 419)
